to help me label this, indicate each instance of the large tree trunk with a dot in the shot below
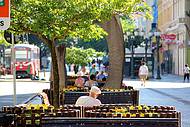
(61, 51)
(55, 76)
(115, 43)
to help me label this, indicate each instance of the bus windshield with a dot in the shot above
(21, 55)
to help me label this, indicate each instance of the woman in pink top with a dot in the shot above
(143, 73)
(79, 82)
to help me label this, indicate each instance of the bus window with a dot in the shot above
(21, 55)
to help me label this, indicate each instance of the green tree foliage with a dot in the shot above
(99, 45)
(52, 20)
(80, 56)
(127, 24)
(56, 19)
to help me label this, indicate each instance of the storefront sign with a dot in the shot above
(168, 36)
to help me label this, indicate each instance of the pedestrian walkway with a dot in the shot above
(164, 78)
(169, 78)
(169, 90)
(177, 97)
(166, 81)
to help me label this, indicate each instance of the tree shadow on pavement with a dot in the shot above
(7, 100)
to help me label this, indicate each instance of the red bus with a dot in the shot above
(27, 60)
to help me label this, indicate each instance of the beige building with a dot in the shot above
(172, 19)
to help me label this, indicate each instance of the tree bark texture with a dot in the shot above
(55, 76)
(61, 52)
(115, 43)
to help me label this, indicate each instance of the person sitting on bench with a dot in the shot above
(90, 101)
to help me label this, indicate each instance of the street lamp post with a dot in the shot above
(131, 39)
(146, 48)
(150, 35)
(157, 34)
(132, 57)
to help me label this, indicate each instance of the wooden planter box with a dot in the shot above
(109, 122)
(76, 116)
(126, 97)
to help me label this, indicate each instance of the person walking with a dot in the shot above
(186, 72)
(143, 73)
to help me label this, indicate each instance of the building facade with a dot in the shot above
(172, 20)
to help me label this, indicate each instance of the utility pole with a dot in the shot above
(14, 70)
